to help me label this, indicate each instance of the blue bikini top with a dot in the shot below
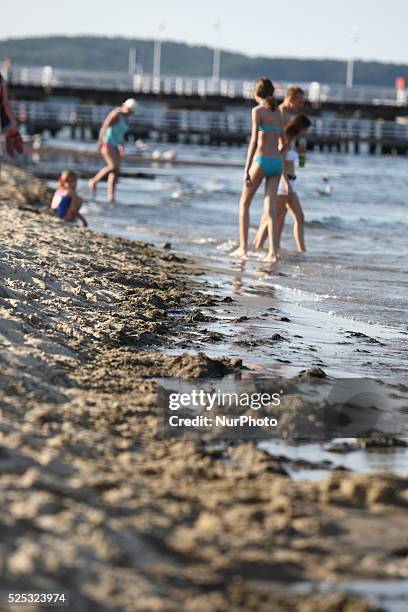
(269, 128)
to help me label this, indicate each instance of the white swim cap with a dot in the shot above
(130, 103)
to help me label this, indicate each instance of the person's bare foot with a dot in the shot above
(270, 258)
(92, 187)
(239, 252)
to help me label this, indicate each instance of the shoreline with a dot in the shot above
(119, 514)
(241, 327)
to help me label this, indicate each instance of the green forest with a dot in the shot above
(103, 53)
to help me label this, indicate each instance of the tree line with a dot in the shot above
(112, 53)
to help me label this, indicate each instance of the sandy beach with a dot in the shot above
(95, 502)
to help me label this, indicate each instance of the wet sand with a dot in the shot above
(310, 337)
(96, 502)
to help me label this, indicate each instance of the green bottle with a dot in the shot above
(302, 152)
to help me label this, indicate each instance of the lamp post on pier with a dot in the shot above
(157, 51)
(350, 62)
(132, 62)
(217, 53)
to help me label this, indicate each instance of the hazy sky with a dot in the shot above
(309, 28)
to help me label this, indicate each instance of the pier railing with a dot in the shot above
(54, 78)
(200, 126)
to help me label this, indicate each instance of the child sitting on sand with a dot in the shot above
(66, 203)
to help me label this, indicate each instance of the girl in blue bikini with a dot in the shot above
(264, 160)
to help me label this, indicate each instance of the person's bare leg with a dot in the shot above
(270, 212)
(74, 208)
(261, 233)
(112, 180)
(92, 186)
(282, 210)
(82, 219)
(114, 176)
(247, 195)
(110, 159)
(296, 211)
(100, 175)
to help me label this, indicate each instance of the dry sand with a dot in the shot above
(94, 502)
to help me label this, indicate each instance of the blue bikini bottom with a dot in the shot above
(270, 166)
(64, 204)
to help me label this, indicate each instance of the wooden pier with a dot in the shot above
(82, 122)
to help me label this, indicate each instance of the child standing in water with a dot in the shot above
(66, 203)
(264, 160)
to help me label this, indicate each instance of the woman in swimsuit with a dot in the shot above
(288, 199)
(264, 160)
(111, 145)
